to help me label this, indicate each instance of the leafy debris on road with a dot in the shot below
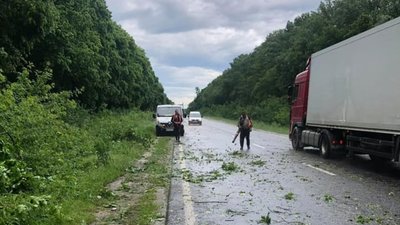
(289, 196)
(230, 167)
(259, 163)
(235, 213)
(188, 176)
(328, 198)
(237, 153)
(265, 219)
(305, 179)
(364, 219)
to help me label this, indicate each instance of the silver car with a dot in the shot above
(195, 118)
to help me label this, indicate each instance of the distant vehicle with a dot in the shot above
(348, 96)
(195, 118)
(163, 119)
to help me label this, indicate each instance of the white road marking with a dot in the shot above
(319, 169)
(190, 217)
(259, 146)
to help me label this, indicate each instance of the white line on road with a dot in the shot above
(259, 146)
(319, 169)
(190, 218)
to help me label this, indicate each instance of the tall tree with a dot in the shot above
(258, 81)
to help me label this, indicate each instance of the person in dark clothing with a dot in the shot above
(177, 121)
(245, 124)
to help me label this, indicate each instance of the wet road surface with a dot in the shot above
(216, 183)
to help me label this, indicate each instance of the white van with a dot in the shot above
(163, 119)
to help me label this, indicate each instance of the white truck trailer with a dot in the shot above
(349, 96)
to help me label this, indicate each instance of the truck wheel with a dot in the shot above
(325, 146)
(296, 139)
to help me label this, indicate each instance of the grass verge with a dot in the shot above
(127, 137)
(156, 175)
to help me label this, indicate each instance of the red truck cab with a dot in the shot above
(299, 99)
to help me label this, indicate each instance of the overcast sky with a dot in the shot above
(191, 42)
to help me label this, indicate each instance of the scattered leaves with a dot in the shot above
(265, 219)
(289, 196)
(259, 163)
(328, 198)
(363, 219)
(230, 166)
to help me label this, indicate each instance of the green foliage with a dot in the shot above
(230, 166)
(50, 53)
(88, 53)
(272, 110)
(45, 151)
(257, 82)
(364, 219)
(328, 198)
(265, 219)
(290, 196)
(103, 152)
(29, 209)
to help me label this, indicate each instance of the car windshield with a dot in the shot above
(194, 114)
(166, 111)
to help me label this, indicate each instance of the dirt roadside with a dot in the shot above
(129, 189)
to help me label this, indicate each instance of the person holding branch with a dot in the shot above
(245, 124)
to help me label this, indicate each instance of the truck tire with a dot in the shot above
(296, 139)
(325, 146)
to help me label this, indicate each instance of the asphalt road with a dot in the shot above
(216, 183)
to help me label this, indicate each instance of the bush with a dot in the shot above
(272, 110)
(47, 142)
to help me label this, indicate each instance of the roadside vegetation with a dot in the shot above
(257, 124)
(56, 157)
(258, 82)
(75, 90)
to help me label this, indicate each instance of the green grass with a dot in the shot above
(146, 210)
(91, 184)
(158, 174)
(257, 125)
(89, 192)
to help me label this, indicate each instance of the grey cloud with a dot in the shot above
(190, 42)
(169, 16)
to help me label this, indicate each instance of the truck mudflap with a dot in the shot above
(396, 155)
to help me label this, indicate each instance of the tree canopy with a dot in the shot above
(87, 52)
(257, 82)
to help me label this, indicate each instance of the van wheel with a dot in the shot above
(158, 132)
(325, 147)
(296, 139)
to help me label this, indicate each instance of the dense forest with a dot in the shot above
(257, 82)
(85, 52)
(72, 87)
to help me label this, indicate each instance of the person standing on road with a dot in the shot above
(177, 121)
(245, 124)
